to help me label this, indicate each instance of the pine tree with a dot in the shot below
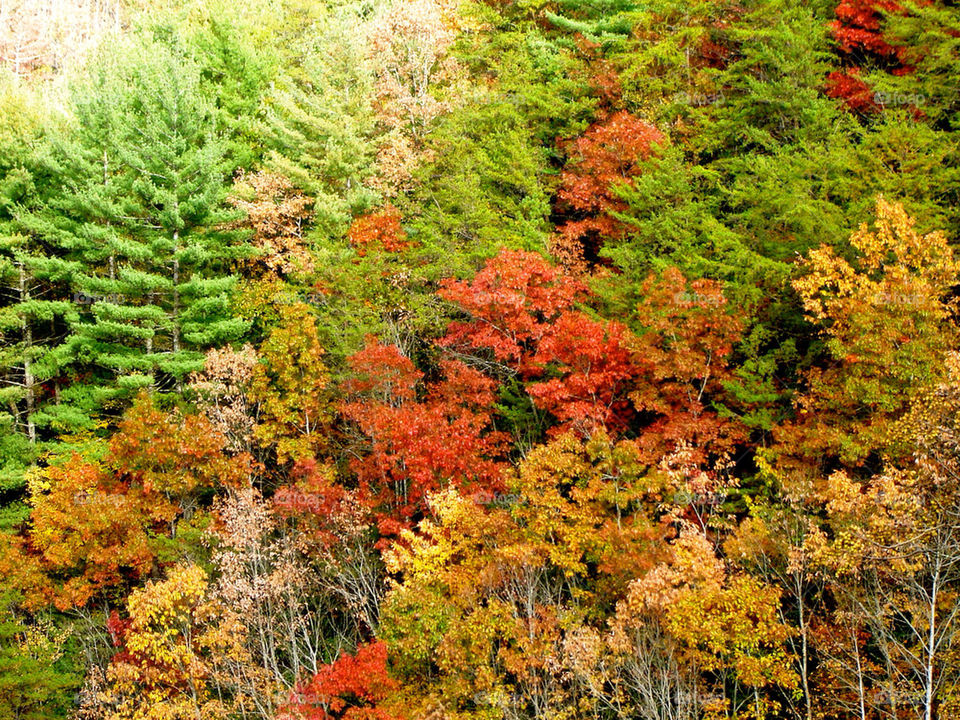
(323, 123)
(174, 182)
(139, 215)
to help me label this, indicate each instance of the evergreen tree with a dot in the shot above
(323, 123)
(139, 217)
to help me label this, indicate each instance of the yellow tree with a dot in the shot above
(890, 547)
(492, 585)
(885, 322)
(175, 640)
(699, 638)
(289, 383)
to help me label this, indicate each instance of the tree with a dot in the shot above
(890, 547)
(596, 373)
(34, 325)
(223, 394)
(169, 649)
(289, 385)
(278, 215)
(323, 124)
(178, 166)
(684, 347)
(409, 46)
(606, 156)
(34, 683)
(141, 210)
(725, 627)
(511, 304)
(99, 524)
(414, 447)
(350, 688)
(885, 323)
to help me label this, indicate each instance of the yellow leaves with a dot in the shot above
(885, 315)
(723, 621)
(175, 638)
(869, 522)
(289, 384)
(896, 267)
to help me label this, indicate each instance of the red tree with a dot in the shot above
(347, 689)
(416, 446)
(380, 230)
(589, 373)
(606, 156)
(859, 31)
(512, 303)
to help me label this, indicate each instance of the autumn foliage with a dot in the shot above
(420, 436)
(453, 360)
(349, 688)
(378, 231)
(607, 156)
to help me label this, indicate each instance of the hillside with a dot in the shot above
(479, 360)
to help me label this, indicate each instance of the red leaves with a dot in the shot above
(379, 230)
(858, 26)
(416, 447)
(590, 374)
(347, 689)
(117, 628)
(607, 155)
(521, 310)
(381, 372)
(686, 348)
(859, 29)
(512, 301)
(596, 372)
(847, 86)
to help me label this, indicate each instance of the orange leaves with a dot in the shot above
(512, 302)
(606, 156)
(90, 531)
(382, 373)
(415, 447)
(685, 351)
(379, 231)
(278, 214)
(173, 453)
(97, 525)
(521, 310)
(347, 689)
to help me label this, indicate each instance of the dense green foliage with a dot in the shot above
(479, 359)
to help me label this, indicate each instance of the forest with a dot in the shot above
(479, 360)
